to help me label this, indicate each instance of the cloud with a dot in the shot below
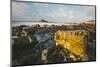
(51, 12)
(21, 11)
(90, 11)
(17, 8)
(69, 15)
(43, 5)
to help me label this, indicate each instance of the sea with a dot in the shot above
(34, 23)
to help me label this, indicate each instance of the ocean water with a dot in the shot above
(34, 23)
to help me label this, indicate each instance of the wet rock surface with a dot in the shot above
(25, 52)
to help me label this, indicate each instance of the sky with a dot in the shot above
(30, 11)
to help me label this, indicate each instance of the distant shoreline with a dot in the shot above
(40, 23)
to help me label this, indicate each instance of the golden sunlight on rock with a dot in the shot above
(74, 41)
